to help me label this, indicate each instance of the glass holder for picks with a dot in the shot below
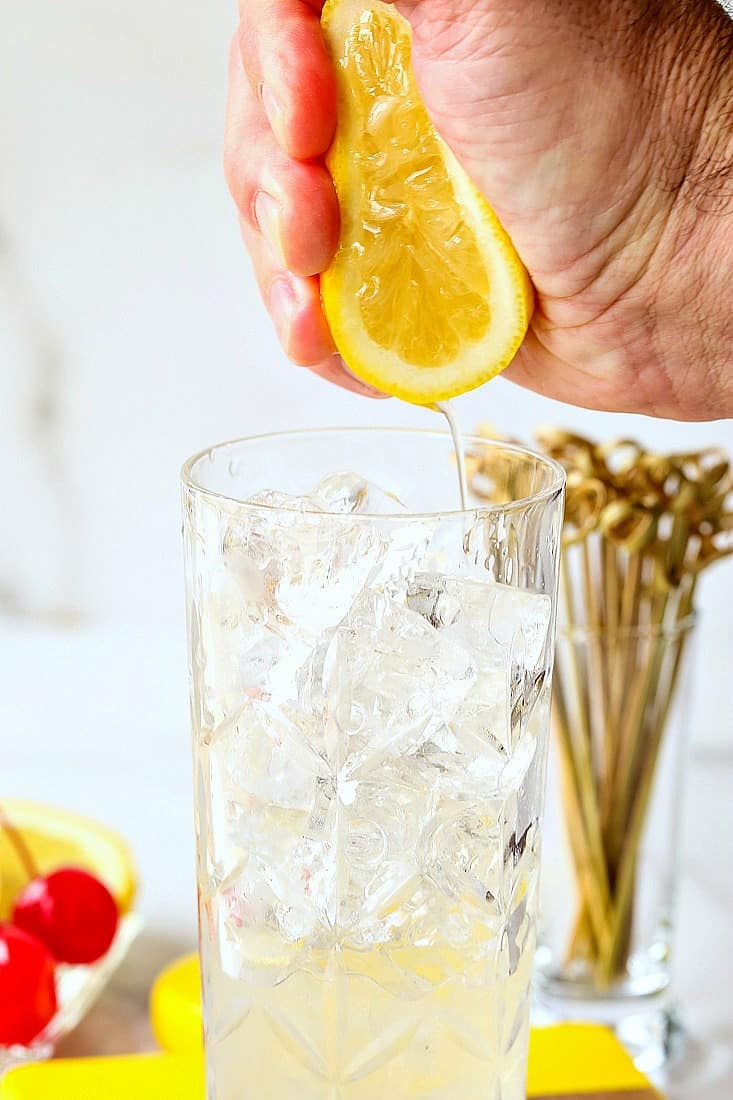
(639, 530)
(609, 893)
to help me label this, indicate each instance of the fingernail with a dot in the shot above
(281, 301)
(274, 112)
(267, 216)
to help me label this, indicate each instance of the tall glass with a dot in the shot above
(370, 687)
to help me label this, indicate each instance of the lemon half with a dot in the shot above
(58, 838)
(426, 297)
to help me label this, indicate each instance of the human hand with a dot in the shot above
(597, 135)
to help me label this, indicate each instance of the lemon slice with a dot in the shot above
(426, 297)
(57, 838)
(175, 1006)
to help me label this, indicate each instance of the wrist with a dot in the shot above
(697, 106)
(694, 297)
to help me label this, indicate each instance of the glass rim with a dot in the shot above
(549, 493)
(587, 634)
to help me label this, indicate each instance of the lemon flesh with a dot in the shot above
(426, 297)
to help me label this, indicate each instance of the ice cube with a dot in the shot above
(506, 629)
(381, 823)
(342, 492)
(284, 885)
(393, 677)
(323, 569)
(461, 851)
(301, 571)
(265, 754)
(349, 492)
(462, 760)
(242, 652)
(296, 566)
(489, 618)
(390, 651)
(430, 918)
(240, 917)
(271, 837)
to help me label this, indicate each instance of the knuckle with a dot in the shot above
(241, 186)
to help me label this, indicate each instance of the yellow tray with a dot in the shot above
(563, 1060)
(568, 1061)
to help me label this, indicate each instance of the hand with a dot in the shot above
(597, 133)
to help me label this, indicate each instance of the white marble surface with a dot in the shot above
(130, 336)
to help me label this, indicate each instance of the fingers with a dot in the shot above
(289, 221)
(289, 70)
(294, 304)
(288, 209)
(291, 203)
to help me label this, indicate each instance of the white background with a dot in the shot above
(131, 335)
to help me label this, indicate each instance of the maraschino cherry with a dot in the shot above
(27, 986)
(71, 911)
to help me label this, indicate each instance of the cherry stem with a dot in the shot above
(19, 845)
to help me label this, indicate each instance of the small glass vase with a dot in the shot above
(610, 872)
